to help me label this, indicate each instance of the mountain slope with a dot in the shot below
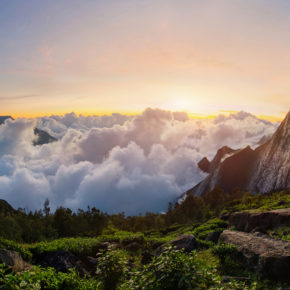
(272, 169)
(3, 118)
(42, 137)
(265, 169)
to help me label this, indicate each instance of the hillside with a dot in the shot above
(209, 252)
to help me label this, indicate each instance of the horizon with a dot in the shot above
(271, 118)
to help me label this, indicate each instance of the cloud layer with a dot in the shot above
(115, 163)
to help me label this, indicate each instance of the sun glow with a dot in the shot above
(180, 104)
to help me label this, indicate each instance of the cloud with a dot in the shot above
(116, 163)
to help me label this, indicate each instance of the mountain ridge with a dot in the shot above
(265, 169)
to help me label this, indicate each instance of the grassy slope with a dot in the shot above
(203, 257)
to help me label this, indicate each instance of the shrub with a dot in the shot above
(112, 268)
(174, 269)
(47, 278)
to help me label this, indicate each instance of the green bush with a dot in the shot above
(112, 268)
(174, 269)
(47, 278)
(78, 246)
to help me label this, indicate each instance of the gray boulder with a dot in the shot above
(213, 237)
(13, 260)
(186, 242)
(270, 257)
(248, 221)
(62, 261)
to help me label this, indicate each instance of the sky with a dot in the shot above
(104, 56)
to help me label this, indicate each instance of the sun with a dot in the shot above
(179, 104)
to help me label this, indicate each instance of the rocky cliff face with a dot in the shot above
(265, 169)
(272, 169)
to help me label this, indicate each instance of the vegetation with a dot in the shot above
(122, 267)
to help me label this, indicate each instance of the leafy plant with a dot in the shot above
(112, 268)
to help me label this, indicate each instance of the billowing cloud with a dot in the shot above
(116, 163)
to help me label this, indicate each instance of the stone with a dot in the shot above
(13, 260)
(133, 247)
(62, 261)
(186, 242)
(269, 256)
(213, 237)
(248, 221)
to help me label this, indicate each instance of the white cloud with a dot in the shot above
(115, 163)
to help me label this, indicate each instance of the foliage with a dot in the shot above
(46, 278)
(78, 246)
(112, 268)
(175, 269)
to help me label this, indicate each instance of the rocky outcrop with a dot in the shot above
(265, 169)
(204, 165)
(270, 257)
(272, 169)
(60, 260)
(42, 137)
(186, 242)
(13, 260)
(260, 221)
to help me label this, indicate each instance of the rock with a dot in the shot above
(14, 260)
(225, 216)
(213, 237)
(91, 260)
(186, 242)
(81, 268)
(102, 246)
(275, 265)
(62, 261)
(270, 257)
(133, 247)
(248, 221)
(204, 164)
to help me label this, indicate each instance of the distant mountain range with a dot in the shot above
(42, 136)
(265, 169)
(3, 118)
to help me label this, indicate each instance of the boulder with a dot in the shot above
(133, 247)
(248, 221)
(14, 260)
(186, 242)
(62, 261)
(270, 257)
(213, 237)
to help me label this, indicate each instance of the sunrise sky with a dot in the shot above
(94, 57)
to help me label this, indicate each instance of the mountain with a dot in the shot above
(3, 118)
(5, 207)
(265, 169)
(42, 137)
